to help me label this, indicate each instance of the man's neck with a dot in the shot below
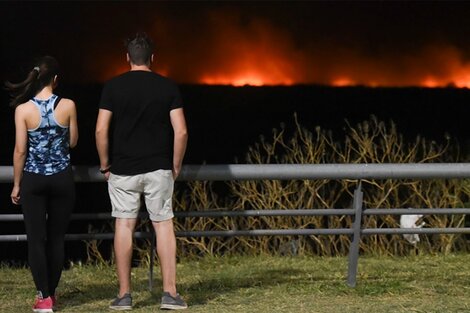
(140, 68)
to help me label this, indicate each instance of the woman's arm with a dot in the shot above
(19, 153)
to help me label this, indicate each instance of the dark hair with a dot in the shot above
(140, 49)
(41, 75)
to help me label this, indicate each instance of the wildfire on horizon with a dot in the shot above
(259, 54)
(262, 68)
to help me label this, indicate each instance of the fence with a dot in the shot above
(288, 172)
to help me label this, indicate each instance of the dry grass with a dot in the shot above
(431, 284)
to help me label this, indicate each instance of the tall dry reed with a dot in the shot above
(371, 141)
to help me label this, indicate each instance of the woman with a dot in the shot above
(46, 127)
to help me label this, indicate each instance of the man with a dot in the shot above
(148, 145)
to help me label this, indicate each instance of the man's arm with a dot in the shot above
(103, 123)
(180, 139)
(73, 125)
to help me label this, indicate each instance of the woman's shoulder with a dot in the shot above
(65, 106)
(66, 102)
(25, 106)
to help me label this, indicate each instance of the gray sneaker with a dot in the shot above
(172, 303)
(122, 304)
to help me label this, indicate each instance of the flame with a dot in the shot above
(463, 84)
(342, 82)
(462, 80)
(430, 82)
(251, 80)
(244, 80)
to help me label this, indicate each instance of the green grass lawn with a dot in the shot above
(267, 284)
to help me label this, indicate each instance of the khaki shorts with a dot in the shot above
(126, 193)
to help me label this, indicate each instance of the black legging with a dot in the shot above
(47, 203)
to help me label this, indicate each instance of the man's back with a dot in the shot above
(141, 102)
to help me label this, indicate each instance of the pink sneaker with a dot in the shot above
(43, 305)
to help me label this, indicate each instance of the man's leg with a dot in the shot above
(124, 230)
(166, 249)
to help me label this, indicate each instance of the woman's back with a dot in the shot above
(48, 135)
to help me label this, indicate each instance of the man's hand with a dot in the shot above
(176, 172)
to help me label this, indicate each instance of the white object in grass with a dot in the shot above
(409, 221)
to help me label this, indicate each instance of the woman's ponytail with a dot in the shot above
(39, 77)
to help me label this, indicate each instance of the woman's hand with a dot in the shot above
(15, 195)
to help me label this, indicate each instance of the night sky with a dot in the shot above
(374, 43)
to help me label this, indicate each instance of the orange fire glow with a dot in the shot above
(256, 53)
(255, 65)
(244, 80)
(430, 82)
(342, 82)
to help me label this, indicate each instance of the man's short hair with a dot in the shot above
(140, 49)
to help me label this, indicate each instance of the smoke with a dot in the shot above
(225, 46)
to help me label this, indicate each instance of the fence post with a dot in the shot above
(356, 237)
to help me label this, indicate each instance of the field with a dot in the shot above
(426, 283)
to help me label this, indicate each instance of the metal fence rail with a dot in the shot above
(86, 174)
(291, 171)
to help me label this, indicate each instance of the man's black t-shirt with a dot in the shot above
(142, 139)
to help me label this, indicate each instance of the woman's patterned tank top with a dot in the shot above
(48, 144)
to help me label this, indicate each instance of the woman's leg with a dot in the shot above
(60, 207)
(34, 202)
